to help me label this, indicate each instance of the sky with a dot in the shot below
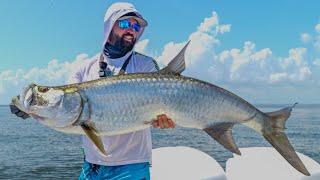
(267, 52)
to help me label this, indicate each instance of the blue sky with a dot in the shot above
(264, 51)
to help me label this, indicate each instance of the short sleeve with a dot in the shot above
(75, 77)
(77, 73)
(146, 63)
(151, 66)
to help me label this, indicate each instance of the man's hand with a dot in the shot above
(18, 112)
(163, 122)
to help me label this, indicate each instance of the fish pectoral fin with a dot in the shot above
(223, 134)
(177, 65)
(93, 136)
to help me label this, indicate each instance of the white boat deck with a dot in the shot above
(263, 163)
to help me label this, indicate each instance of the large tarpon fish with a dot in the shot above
(126, 103)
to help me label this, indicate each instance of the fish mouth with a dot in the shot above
(25, 99)
(16, 101)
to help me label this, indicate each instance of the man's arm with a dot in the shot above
(76, 76)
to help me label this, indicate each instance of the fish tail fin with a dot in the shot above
(274, 134)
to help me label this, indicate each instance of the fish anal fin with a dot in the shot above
(177, 65)
(93, 136)
(281, 143)
(223, 134)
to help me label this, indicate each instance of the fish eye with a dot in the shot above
(43, 89)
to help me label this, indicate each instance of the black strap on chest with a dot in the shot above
(104, 71)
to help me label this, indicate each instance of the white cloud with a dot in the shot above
(11, 82)
(246, 65)
(296, 57)
(224, 28)
(317, 28)
(296, 65)
(141, 46)
(305, 37)
(248, 71)
(277, 77)
(209, 23)
(317, 38)
(314, 38)
(316, 62)
(170, 50)
(201, 48)
(317, 42)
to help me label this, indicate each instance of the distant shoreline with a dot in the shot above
(284, 105)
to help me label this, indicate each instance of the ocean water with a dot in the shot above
(28, 150)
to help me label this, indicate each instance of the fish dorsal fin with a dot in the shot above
(177, 65)
(223, 134)
(93, 136)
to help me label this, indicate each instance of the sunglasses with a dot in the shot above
(125, 24)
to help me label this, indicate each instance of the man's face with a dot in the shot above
(124, 38)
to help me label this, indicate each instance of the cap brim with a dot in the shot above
(141, 21)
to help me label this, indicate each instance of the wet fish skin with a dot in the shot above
(127, 103)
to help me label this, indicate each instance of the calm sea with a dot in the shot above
(29, 150)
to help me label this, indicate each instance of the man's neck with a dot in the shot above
(113, 52)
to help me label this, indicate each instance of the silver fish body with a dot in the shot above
(127, 103)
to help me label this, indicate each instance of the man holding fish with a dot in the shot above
(123, 106)
(129, 154)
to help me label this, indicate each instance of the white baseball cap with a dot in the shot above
(136, 16)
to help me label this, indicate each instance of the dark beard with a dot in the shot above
(121, 44)
(119, 48)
